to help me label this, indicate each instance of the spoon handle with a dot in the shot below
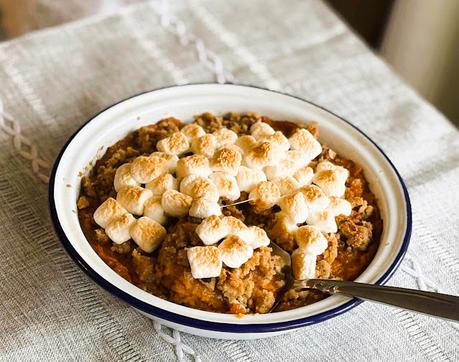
(435, 304)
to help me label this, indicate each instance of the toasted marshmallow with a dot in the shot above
(339, 206)
(204, 145)
(264, 154)
(264, 195)
(279, 139)
(123, 177)
(234, 251)
(303, 265)
(211, 230)
(331, 178)
(323, 220)
(327, 165)
(154, 210)
(175, 203)
(311, 240)
(247, 178)
(225, 136)
(162, 183)
(193, 165)
(261, 130)
(236, 227)
(171, 160)
(235, 148)
(226, 159)
(202, 208)
(192, 131)
(298, 158)
(118, 229)
(144, 169)
(286, 167)
(107, 211)
(256, 237)
(294, 207)
(205, 261)
(226, 184)
(302, 140)
(197, 187)
(286, 184)
(246, 143)
(133, 198)
(176, 143)
(315, 198)
(147, 234)
(304, 175)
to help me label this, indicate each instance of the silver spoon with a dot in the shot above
(434, 304)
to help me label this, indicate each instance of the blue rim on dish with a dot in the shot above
(217, 326)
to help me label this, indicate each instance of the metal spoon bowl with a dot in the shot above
(434, 304)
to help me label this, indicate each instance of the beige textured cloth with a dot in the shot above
(53, 81)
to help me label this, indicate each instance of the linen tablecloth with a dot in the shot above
(52, 81)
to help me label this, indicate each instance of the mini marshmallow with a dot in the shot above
(192, 131)
(247, 178)
(162, 183)
(109, 210)
(226, 184)
(311, 240)
(193, 165)
(133, 198)
(202, 208)
(303, 265)
(236, 227)
(144, 169)
(153, 209)
(294, 207)
(171, 160)
(123, 177)
(225, 136)
(246, 143)
(226, 159)
(286, 167)
(257, 237)
(264, 154)
(211, 230)
(235, 148)
(197, 186)
(261, 130)
(176, 143)
(327, 165)
(264, 195)
(323, 220)
(329, 182)
(315, 198)
(147, 234)
(175, 203)
(118, 229)
(304, 175)
(205, 261)
(286, 184)
(331, 178)
(339, 206)
(234, 251)
(298, 157)
(302, 140)
(279, 139)
(204, 145)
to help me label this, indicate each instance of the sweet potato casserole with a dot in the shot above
(187, 211)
